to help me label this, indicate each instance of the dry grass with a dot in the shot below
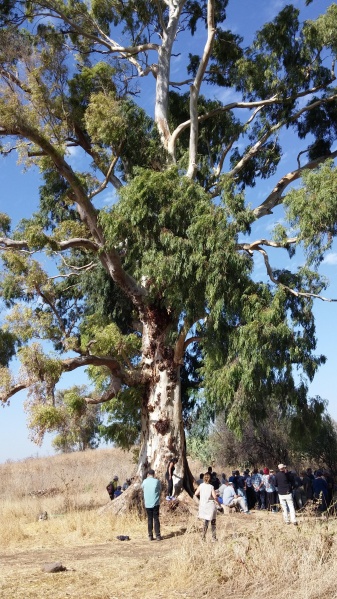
(255, 557)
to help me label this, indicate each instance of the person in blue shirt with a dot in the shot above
(151, 489)
(118, 492)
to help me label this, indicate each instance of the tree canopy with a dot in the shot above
(163, 274)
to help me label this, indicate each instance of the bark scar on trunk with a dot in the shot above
(162, 426)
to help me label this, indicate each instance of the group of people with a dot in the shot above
(115, 489)
(262, 489)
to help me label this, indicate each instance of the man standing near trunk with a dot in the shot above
(284, 484)
(151, 489)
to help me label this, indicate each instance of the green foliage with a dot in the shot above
(176, 234)
(108, 339)
(239, 376)
(312, 210)
(5, 223)
(291, 436)
(104, 119)
(40, 368)
(7, 347)
(75, 422)
(168, 254)
(123, 418)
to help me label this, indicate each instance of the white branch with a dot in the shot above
(195, 91)
(292, 291)
(275, 197)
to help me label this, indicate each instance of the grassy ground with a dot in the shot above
(256, 556)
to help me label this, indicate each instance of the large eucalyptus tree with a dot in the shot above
(165, 269)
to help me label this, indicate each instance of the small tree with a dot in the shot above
(76, 423)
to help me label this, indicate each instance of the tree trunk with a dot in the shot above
(162, 432)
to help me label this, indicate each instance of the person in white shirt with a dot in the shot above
(207, 505)
(230, 498)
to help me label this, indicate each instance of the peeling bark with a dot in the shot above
(163, 435)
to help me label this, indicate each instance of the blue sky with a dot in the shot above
(19, 198)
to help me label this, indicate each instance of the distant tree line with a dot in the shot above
(281, 437)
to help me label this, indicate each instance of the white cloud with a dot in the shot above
(330, 259)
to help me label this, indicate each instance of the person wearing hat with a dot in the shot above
(112, 487)
(151, 489)
(231, 499)
(284, 485)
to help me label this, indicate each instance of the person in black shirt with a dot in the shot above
(169, 475)
(284, 484)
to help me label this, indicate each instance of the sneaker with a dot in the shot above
(150, 538)
(168, 498)
(159, 538)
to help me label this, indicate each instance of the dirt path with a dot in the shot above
(117, 569)
(110, 570)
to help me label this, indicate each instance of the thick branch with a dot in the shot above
(275, 197)
(76, 242)
(109, 258)
(195, 90)
(233, 105)
(163, 72)
(15, 389)
(259, 144)
(255, 245)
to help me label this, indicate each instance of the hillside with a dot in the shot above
(256, 556)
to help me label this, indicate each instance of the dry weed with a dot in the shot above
(255, 557)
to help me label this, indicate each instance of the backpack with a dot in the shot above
(110, 489)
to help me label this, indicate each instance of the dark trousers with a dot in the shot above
(170, 487)
(250, 498)
(213, 528)
(260, 499)
(153, 518)
(271, 500)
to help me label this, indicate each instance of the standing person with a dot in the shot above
(151, 488)
(112, 487)
(320, 491)
(250, 493)
(269, 483)
(215, 482)
(308, 481)
(283, 482)
(240, 487)
(259, 490)
(207, 505)
(169, 476)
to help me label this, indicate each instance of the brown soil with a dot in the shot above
(93, 571)
(119, 569)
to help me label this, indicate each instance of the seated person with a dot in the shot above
(118, 492)
(230, 499)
